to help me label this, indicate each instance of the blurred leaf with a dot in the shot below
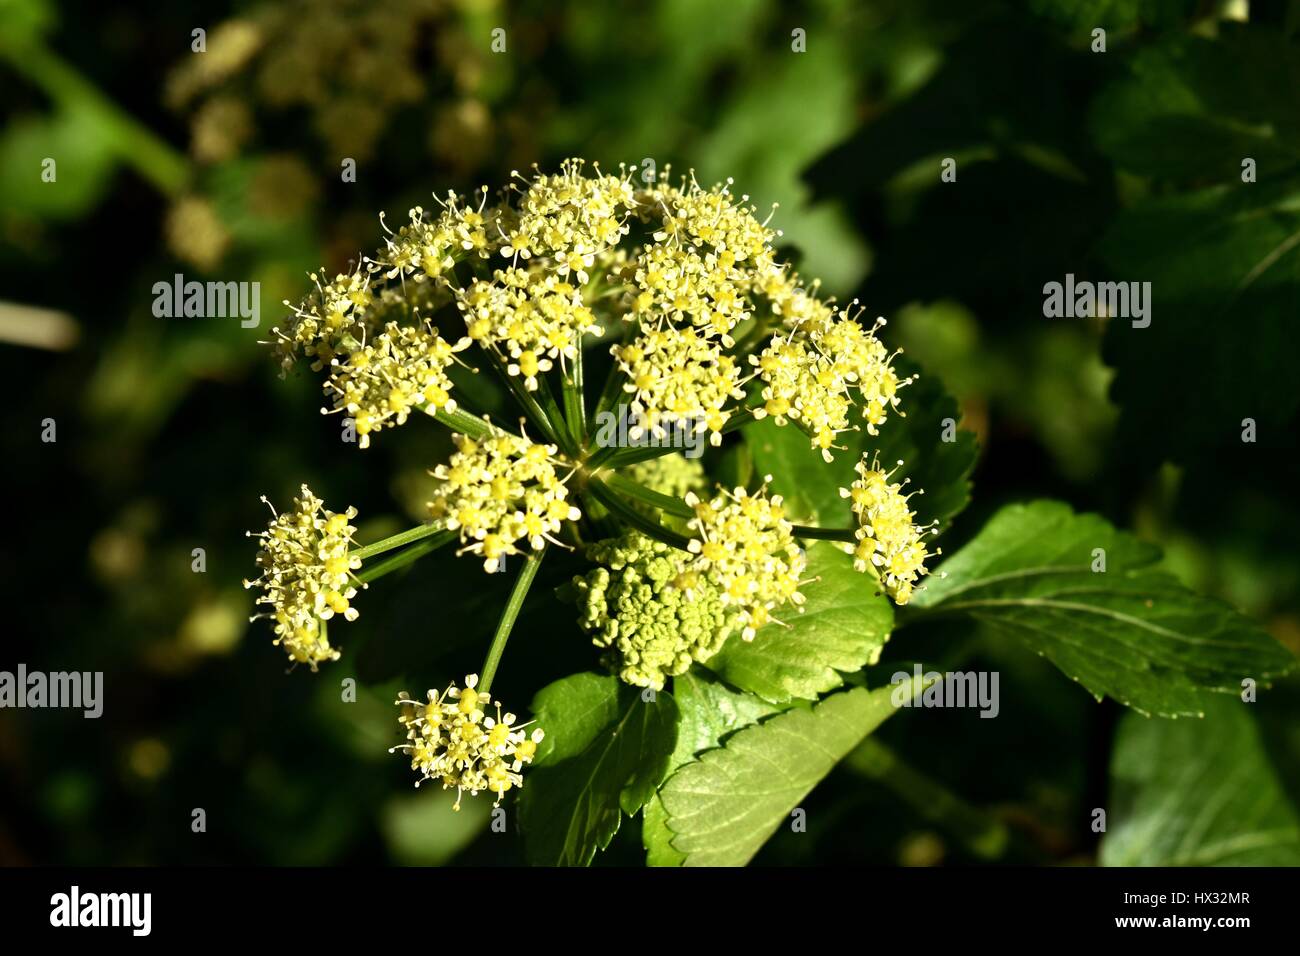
(605, 752)
(709, 711)
(1003, 105)
(1220, 259)
(1082, 16)
(1133, 633)
(84, 160)
(723, 807)
(1192, 108)
(810, 99)
(25, 21)
(916, 438)
(842, 629)
(424, 830)
(1197, 793)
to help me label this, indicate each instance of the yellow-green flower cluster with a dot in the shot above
(744, 545)
(711, 220)
(451, 740)
(568, 218)
(652, 629)
(499, 492)
(810, 375)
(686, 287)
(330, 322)
(529, 318)
(427, 248)
(307, 575)
(691, 285)
(679, 378)
(889, 541)
(402, 367)
(704, 264)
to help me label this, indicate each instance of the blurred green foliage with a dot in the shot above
(1123, 165)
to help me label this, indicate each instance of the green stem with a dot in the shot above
(676, 506)
(752, 336)
(525, 398)
(569, 442)
(824, 534)
(463, 422)
(983, 835)
(614, 381)
(739, 420)
(508, 616)
(136, 145)
(626, 486)
(643, 523)
(404, 557)
(602, 455)
(575, 410)
(397, 540)
(621, 457)
(612, 390)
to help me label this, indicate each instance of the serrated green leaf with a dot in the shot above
(1131, 632)
(941, 468)
(1197, 793)
(723, 807)
(606, 750)
(709, 711)
(843, 628)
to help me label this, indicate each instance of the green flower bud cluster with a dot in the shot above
(636, 607)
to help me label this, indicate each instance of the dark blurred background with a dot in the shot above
(1125, 164)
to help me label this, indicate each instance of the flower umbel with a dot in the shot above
(744, 544)
(451, 739)
(708, 331)
(307, 575)
(402, 367)
(679, 378)
(500, 491)
(813, 373)
(889, 542)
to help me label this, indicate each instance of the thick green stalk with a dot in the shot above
(575, 410)
(751, 337)
(404, 557)
(739, 420)
(612, 390)
(676, 506)
(602, 455)
(626, 513)
(621, 457)
(569, 442)
(824, 534)
(396, 541)
(626, 486)
(525, 398)
(462, 421)
(613, 387)
(508, 616)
